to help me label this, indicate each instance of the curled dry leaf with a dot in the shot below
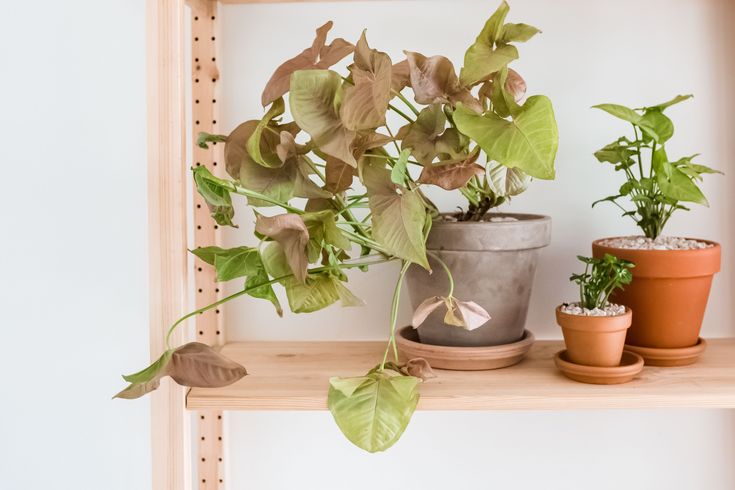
(319, 56)
(450, 176)
(290, 231)
(420, 368)
(466, 314)
(198, 365)
(434, 81)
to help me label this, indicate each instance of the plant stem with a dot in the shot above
(447, 271)
(400, 113)
(257, 195)
(406, 101)
(394, 316)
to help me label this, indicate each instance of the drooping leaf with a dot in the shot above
(319, 56)
(452, 175)
(290, 231)
(373, 411)
(528, 142)
(365, 102)
(317, 292)
(204, 138)
(258, 289)
(236, 262)
(434, 81)
(466, 314)
(216, 195)
(268, 159)
(314, 106)
(198, 365)
(423, 310)
(398, 218)
(322, 227)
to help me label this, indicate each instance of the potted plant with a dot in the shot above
(489, 257)
(673, 275)
(363, 202)
(594, 328)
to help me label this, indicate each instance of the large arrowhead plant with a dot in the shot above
(335, 189)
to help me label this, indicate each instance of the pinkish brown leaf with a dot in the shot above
(365, 101)
(450, 176)
(318, 56)
(515, 85)
(435, 81)
(198, 365)
(466, 314)
(400, 76)
(420, 368)
(338, 175)
(290, 231)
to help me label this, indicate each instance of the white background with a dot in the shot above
(73, 245)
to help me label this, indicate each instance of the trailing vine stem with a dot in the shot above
(394, 316)
(446, 270)
(244, 291)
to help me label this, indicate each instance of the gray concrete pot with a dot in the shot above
(493, 264)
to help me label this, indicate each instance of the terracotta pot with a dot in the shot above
(668, 294)
(594, 340)
(493, 264)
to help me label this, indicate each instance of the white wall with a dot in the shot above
(73, 250)
(628, 52)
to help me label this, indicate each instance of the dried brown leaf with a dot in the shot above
(420, 368)
(198, 365)
(425, 309)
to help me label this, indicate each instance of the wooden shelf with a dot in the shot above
(294, 376)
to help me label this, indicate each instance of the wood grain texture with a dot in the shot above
(294, 376)
(167, 233)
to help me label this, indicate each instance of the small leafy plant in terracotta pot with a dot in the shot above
(594, 328)
(673, 275)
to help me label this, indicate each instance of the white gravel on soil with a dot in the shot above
(610, 310)
(660, 243)
(501, 219)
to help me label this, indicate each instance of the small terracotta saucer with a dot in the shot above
(682, 356)
(630, 365)
(463, 358)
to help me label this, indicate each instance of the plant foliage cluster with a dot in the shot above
(655, 186)
(336, 188)
(600, 278)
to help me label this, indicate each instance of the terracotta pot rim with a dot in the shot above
(714, 244)
(585, 323)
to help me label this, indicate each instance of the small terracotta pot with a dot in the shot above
(668, 294)
(594, 340)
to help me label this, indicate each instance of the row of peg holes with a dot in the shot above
(219, 438)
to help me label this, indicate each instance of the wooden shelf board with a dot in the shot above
(294, 376)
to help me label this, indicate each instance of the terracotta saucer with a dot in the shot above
(630, 365)
(670, 357)
(463, 358)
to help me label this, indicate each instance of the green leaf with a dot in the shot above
(528, 142)
(208, 254)
(236, 262)
(660, 124)
(422, 135)
(317, 292)
(204, 138)
(373, 411)
(366, 101)
(669, 103)
(676, 185)
(399, 172)
(398, 218)
(322, 227)
(146, 380)
(258, 278)
(481, 61)
(314, 105)
(216, 192)
(269, 159)
(504, 181)
(630, 115)
(517, 33)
